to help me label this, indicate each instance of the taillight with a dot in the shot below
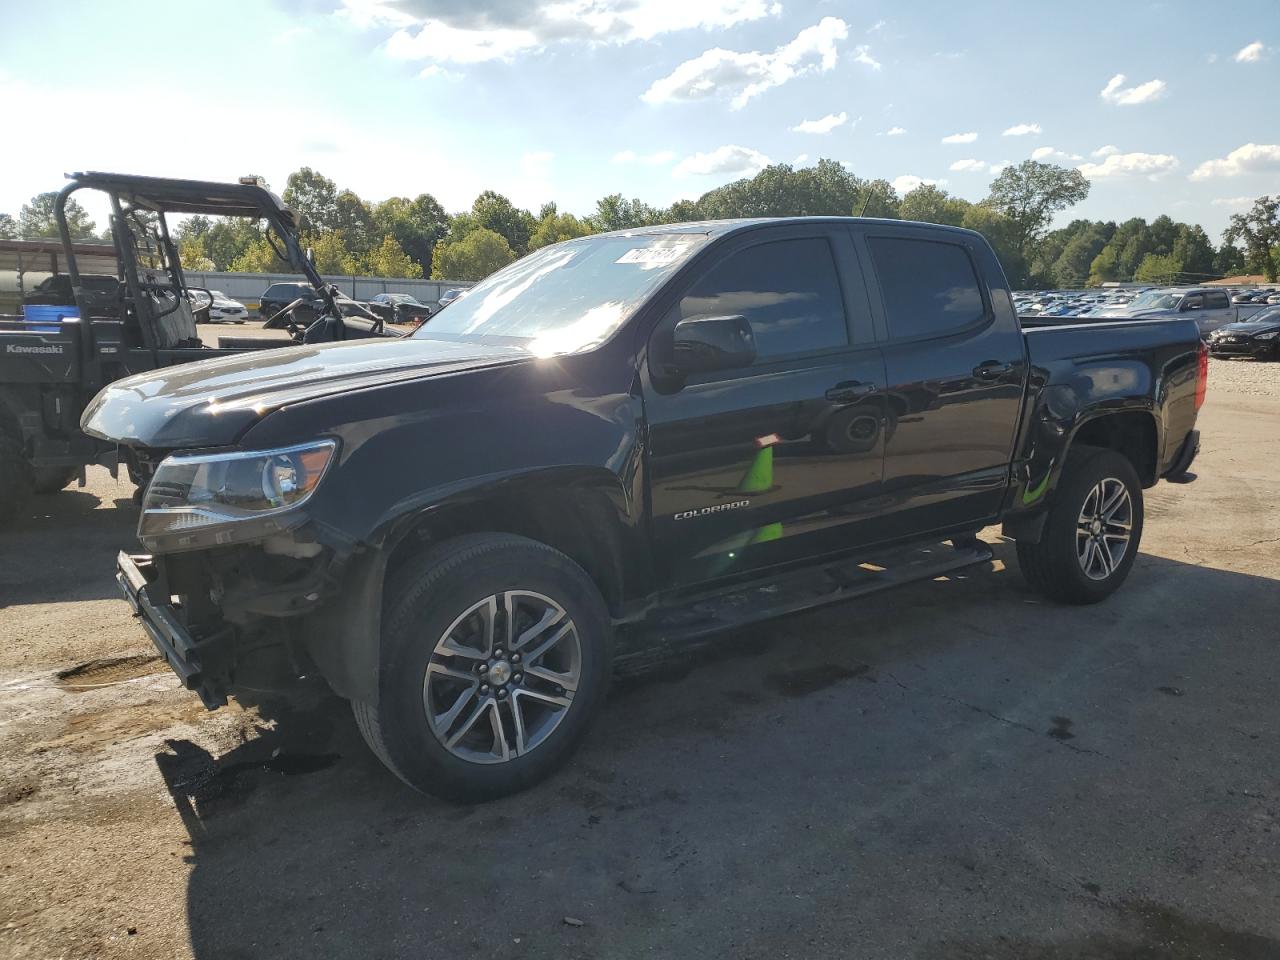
(1202, 375)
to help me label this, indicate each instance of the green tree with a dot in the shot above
(930, 204)
(1192, 249)
(1105, 267)
(554, 226)
(417, 225)
(1158, 268)
(329, 253)
(258, 257)
(876, 198)
(314, 197)
(227, 239)
(8, 227)
(616, 213)
(1228, 261)
(1258, 231)
(36, 219)
(192, 254)
(355, 220)
(472, 257)
(1029, 194)
(493, 211)
(1003, 234)
(388, 260)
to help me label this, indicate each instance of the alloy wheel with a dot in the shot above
(502, 677)
(1103, 528)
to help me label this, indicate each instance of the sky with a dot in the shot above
(1167, 107)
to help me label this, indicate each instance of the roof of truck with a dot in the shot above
(718, 228)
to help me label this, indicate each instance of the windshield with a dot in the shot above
(1270, 315)
(568, 297)
(1156, 300)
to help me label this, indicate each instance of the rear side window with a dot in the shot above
(1215, 300)
(787, 290)
(929, 288)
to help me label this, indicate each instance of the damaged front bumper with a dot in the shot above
(136, 576)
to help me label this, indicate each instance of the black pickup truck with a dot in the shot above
(619, 444)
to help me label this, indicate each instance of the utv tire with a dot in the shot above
(1091, 536)
(17, 480)
(53, 479)
(477, 696)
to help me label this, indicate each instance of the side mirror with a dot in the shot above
(704, 344)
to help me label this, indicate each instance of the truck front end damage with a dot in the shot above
(241, 587)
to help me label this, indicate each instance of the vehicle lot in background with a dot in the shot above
(945, 771)
(399, 308)
(225, 310)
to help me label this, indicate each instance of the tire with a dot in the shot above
(441, 602)
(17, 479)
(53, 479)
(1056, 566)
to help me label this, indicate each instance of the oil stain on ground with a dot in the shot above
(807, 680)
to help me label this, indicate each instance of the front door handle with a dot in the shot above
(850, 391)
(992, 370)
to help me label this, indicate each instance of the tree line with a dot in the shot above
(403, 237)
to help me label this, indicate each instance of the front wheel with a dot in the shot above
(1091, 536)
(495, 655)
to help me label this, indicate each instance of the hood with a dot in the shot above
(212, 402)
(1249, 328)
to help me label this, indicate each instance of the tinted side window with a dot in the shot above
(1215, 300)
(787, 290)
(1193, 302)
(929, 288)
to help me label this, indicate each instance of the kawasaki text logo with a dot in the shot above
(18, 348)
(718, 508)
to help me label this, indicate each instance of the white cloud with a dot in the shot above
(968, 166)
(1233, 203)
(1116, 92)
(287, 37)
(824, 125)
(1250, 53)
(861, 54)
(997, 167)
(1105, 150)
(435, 70)
(800, 160)
(1022, 129)
(1053, 153)
(1251, 158)
(730, 159)
(1150, 165)
(744, 75)
(908, 182)
(657, 159)
(960, 138)
(895, 131)
(473, 31)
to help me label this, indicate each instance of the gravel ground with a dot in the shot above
(952, 770)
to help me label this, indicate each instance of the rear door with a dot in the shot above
(956, 369)
(779, 461)
(1217, 311)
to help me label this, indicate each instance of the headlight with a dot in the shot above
(1271, 335)
(201, 500)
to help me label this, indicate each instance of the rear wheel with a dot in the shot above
(17, 479)
(1093, 530)
(495, 655)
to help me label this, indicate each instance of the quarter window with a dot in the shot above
(787, 290)
(929, 288)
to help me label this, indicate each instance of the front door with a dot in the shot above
(754, 467)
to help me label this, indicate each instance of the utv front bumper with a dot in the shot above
(137, 577)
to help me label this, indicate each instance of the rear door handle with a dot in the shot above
(992, 370)
(850, 391)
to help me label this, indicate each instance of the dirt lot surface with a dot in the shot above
(953, 770)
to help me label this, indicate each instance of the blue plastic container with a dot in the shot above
(48, 316)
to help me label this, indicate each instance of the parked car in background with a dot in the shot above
(1257, 337)
(101, 290)
(449, 296)
(224, 309)
(399, 308)
(1210, 307)
(280, 295)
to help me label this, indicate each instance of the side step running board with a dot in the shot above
(694, 617)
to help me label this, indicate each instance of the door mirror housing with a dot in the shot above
(706, 344)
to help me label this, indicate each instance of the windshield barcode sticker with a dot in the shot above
(656, 256)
